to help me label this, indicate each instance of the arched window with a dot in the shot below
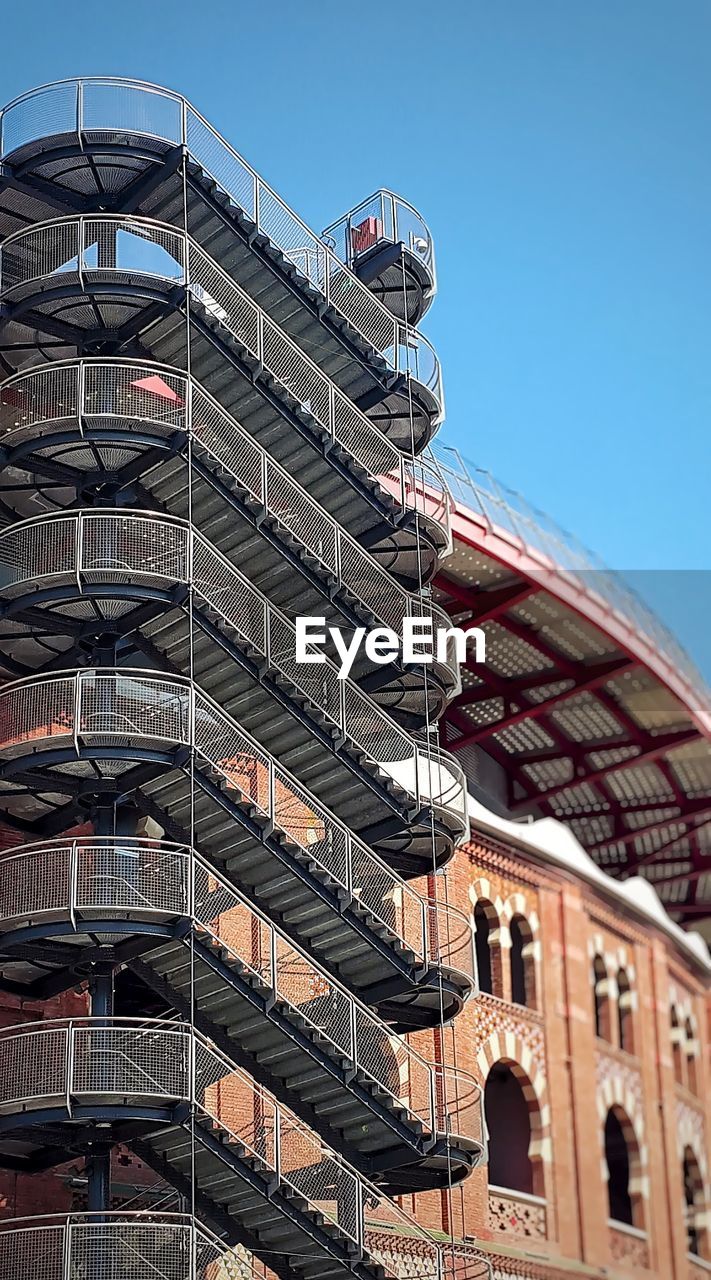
(623, 1174)
(624, 1012)
(513, 1121)
(601, 992)
(677, 1036)
(486, 945)
(481, 943)
(523, 967)
(692, 1080)
(696, 1238)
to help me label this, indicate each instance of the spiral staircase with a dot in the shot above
(210, 424)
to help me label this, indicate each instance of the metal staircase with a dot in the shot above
(388, 245)
(209, 427)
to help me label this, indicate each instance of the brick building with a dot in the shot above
(278, 949)
(591, 1038)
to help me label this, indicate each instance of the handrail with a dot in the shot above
(121, 390)
(400, 223)
(90, 878)
(508, 514)
(60, 247)
(190, 1068)
(436, 932)
(59, 1246)
(97, 704)
(90, 547)
(74, 106)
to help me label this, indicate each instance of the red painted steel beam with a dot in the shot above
(488, 603)
(535, 710)
(688, 909)
(662, 744)
(682, 877)
(479, 693)
(515, 556)
(666, 850)
(700, 809)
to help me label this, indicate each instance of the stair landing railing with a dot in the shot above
(91, 108)
(90, 879)
(82, 1061)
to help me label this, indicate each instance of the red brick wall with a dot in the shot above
(572, 1078)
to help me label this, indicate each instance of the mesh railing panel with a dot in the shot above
(106, 706)
(86, 1058)
(36, 883)
(129, 393)
(140, 110)
(42, 252)
(37, 709)
(117, 1245)
(49, 394)
(33, 1066)
(224, 165)
(142, 247)
(37, 1252)
(114, 877)
(52, 109)
(507, 511)
(122, 877)
(136, 392)
(129, 1062)
(125, 546)
(138, 706)
(26, 557)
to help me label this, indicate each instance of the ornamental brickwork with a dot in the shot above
(570, 1078)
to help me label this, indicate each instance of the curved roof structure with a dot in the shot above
(587, 708)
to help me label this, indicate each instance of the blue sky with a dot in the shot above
(560, 152)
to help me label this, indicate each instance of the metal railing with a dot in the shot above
(117, 1245)
(91, 879)
(508, 514)
(123, 547)
(79, 1061)
(72, 251)
(93, 106)
(394, 220)
(60, 879)
(103, 706)
(128, 394)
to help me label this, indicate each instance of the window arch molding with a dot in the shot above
(486, 925)
(602, 997)
(506, 1047)
(622, 1164)
(695, 1199)
(521, 934)
(615, 1095)
(626, 1004)
(691, 1140)
(514, 1125)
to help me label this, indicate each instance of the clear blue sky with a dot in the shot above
(561, 151)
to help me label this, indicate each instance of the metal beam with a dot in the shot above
(662, 744)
